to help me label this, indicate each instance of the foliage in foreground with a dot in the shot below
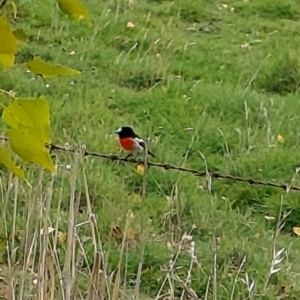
(29, 119)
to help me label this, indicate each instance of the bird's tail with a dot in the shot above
(151, 154)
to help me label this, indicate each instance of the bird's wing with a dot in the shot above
(140, 142)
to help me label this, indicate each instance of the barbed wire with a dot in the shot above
(169, 167)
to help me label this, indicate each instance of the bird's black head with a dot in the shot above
(125, 132)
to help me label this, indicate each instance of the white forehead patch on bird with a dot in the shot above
(119, 130)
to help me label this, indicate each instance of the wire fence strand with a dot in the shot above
(169, 167)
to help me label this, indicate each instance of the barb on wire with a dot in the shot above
(168, 167)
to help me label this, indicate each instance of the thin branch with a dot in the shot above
(10, 93)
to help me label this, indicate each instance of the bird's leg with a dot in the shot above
(128, 155)
(125, 158)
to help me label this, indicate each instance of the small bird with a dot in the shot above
(131, 142)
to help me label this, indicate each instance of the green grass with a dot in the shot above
(199, 79)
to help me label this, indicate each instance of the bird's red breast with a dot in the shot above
(127, 143)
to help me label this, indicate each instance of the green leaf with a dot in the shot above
(8, 44)
(30, 123)
(29, 114)
(20, 35)
(7, 60)
(46, 70)
(74, 9)
(30, 147)
(8, 162)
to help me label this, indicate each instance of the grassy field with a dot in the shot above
(212, 84)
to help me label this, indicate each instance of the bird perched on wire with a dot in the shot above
(131, 142)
